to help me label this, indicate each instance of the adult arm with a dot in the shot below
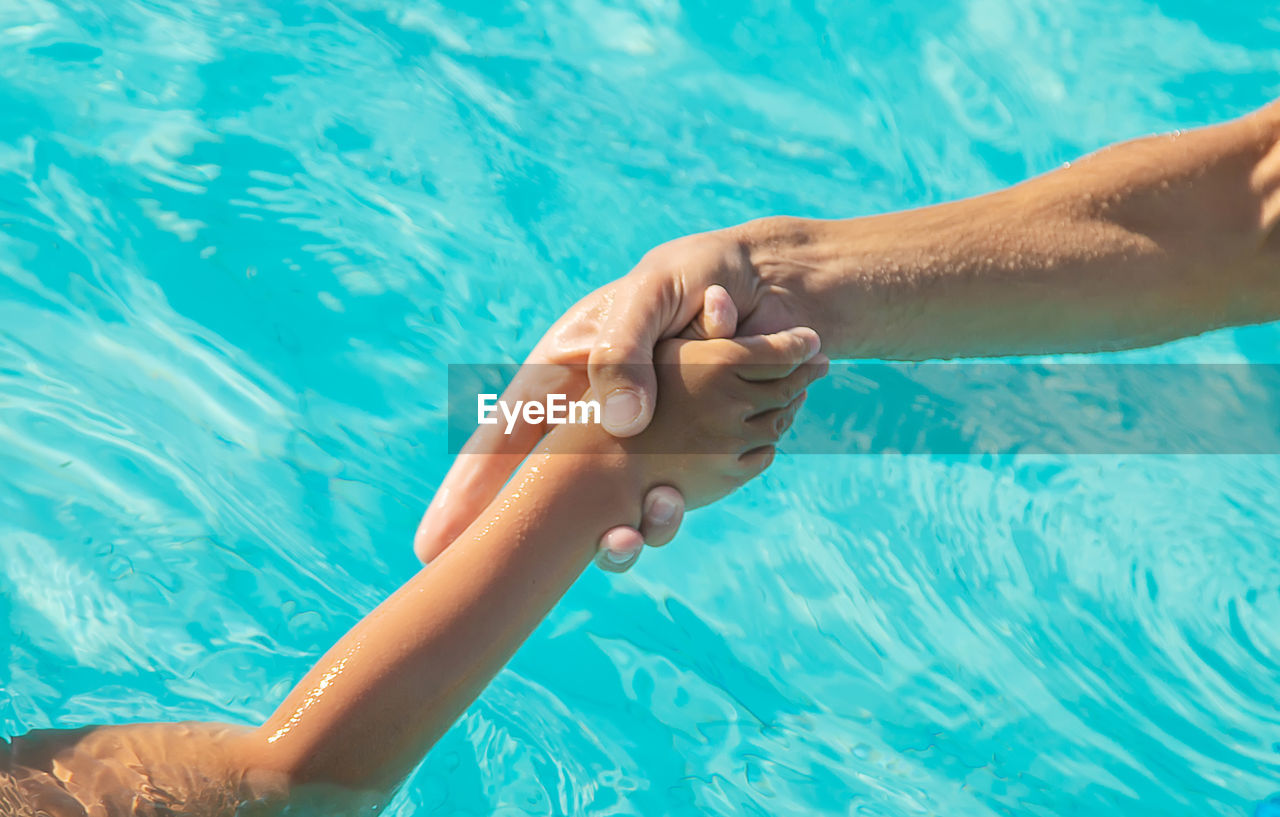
(1137, 244)
(1140, 243)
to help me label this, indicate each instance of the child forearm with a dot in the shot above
(363, 717)
(370, 709)
(373, 705)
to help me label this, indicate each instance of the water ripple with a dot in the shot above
(240, 240)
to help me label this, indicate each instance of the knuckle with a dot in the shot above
(737, 410)
(655, 261)
(813, 371)
(780, 391)
(789, 418)
(780, 424)
(614, 370)
(797, 347)
(792, 347)
(607, 355)
(768, 427)
(797, 383)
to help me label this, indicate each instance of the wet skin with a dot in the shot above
(1137, 244)
(369, 710)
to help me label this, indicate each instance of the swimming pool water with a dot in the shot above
(242, 240)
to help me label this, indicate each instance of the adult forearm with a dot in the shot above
(1137, 244)
(374, 704)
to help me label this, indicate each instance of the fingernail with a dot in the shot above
(716, 317)
(616, 557)
(621, 409)
(813, 343)
(661, 510)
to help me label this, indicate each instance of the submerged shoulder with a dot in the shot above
(135, 770)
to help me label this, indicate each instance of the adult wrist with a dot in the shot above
(810, 268)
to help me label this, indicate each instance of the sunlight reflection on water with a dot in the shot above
(242, 240)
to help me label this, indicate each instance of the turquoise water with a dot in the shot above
(241, 242)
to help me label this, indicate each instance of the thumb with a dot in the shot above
(620, 364)
(624, 376)
(657, 300)
(718, 318)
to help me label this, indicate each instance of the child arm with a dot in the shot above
(369, 710)
(361, 719)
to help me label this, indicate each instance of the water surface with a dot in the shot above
(241, 241)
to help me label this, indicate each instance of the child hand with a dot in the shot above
(723, 405)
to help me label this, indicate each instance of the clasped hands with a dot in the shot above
(706, 286)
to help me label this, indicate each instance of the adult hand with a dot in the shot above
(697, 286)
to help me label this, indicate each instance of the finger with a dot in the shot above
(718, 318)
(471, 484)
(620, 366)
(663, 512)
(619, 549)
(768, 427)
(482, 468)
(769, 357)
(753, 463)
(768, 395)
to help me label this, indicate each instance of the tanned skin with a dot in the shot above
(1137, 244)
(365, 715)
